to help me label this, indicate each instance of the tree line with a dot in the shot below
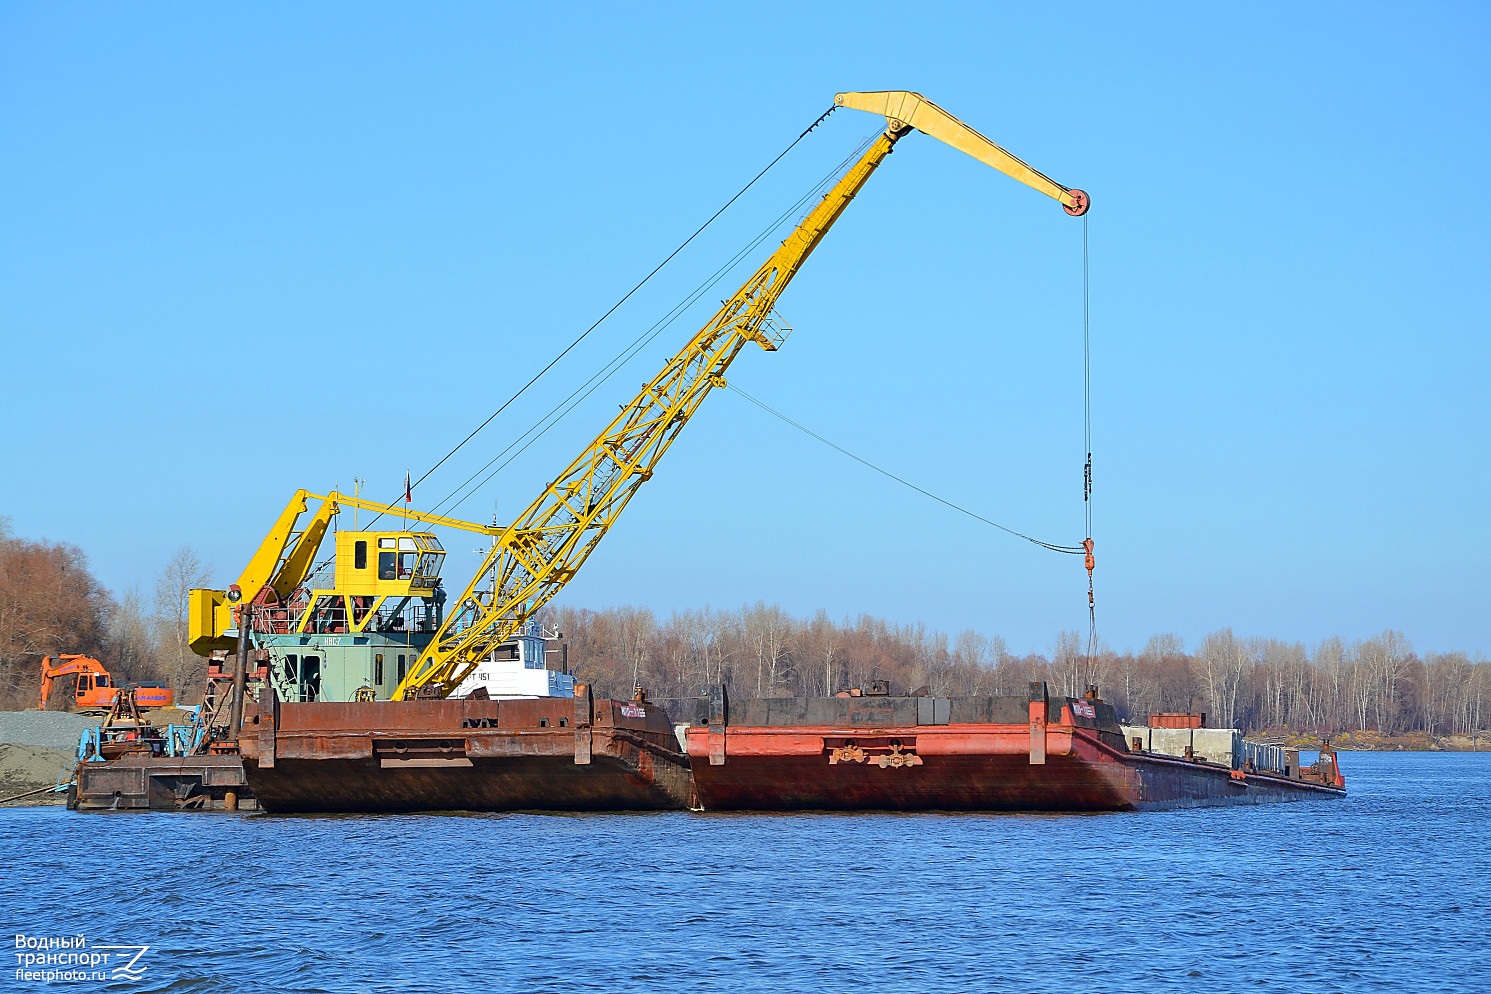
(51, 603)
(1378, 684)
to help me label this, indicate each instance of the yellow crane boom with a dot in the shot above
(903, 109)
(532, 559)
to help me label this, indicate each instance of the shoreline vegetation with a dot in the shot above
(1375, 693)
(1371, 741)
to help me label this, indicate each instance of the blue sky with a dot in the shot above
(248, 250)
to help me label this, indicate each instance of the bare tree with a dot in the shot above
(1384, 660)
(828, 640)
(767, 628)
(1074, 670)
(1248, 683)
(181, 574)
(1223, 661)
(133, 651)
(638, 627)
(978, 657)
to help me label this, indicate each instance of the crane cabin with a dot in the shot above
(358, 636)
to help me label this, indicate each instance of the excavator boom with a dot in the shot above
(73, 664)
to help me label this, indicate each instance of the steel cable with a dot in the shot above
(1070, 550)
(1092, 615)
(612, 309)
(581, 393)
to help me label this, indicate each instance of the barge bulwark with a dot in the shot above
(547, 754)
(881, 753)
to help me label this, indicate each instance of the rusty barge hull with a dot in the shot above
(162, 783)
(967, 768)
(549, 754)
(915, 754)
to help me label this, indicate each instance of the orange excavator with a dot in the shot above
(96, 689)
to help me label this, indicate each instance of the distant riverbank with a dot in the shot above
(1371, 741)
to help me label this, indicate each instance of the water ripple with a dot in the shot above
(1384, 891)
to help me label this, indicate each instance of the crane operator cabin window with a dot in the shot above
(396, 557)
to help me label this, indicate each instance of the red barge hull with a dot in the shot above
(550, 754)
(958, 754)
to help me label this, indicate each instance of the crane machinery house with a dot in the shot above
(359, 637)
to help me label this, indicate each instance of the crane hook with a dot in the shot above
(1090, 562)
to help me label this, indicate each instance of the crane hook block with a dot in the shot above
(903, 109)
(1091, 562)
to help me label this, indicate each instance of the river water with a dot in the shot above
(1386, 890)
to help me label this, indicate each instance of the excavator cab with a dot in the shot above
(94, 690)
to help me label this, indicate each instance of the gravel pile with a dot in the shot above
(24, 768)
(44, 729)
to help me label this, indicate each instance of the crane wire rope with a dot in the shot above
(628, 353)
(1086, 384)
(564, 407)
(613, 308)
(1087, 544)
(1070, 550)
(561, 410)
(1086, 548)
(581, 393)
